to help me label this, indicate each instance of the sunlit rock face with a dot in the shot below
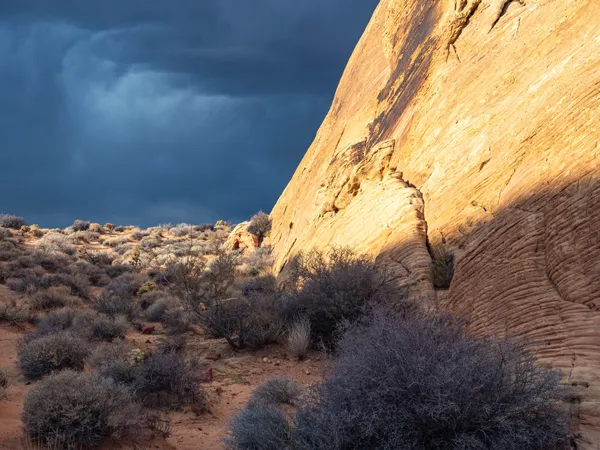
(475, 123)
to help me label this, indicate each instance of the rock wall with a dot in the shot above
(475, 123)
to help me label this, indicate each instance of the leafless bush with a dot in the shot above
(52, 353)
(297, 339)
(11, 221)
(417, 383)
(74, 410)
(335, 287)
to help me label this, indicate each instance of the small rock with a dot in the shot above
(266, 360)
(148, 341)
(307, 371)
(256, 372)
(277, 362)
(206, 375)
(213, 356)
(148, 329)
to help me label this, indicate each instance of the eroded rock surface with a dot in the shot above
(475, 123)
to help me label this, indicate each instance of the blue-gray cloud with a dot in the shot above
(146, 112)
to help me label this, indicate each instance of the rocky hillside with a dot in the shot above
(473, 124)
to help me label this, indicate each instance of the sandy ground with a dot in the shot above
(235, 376)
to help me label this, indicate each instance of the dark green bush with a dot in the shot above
(74, 410)
(442, 266)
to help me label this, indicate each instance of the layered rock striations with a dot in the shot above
(475, 123)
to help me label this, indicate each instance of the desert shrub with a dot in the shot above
(183, 229)
(176, 321)
(3, 378)
(173, 344)
(204, 227)
(297, 338)
(52, 262)
(3, 383)
(117, 297)
(74, 410)
(335, 287)
(149, 298)
(53, 297)
(242, 322)
(116, 270)
(114, 305)
(116, 361)
(139, 235)
(156, 311)
(109, 226)
(259, 226)
(121, 228)
(7, 255)
(80, 225)
(11, 221)
(37, 233)
(79, 284)
(100, 327)
(116, 241)
(14, 313)
(56, 243)
(266, 284)
(5, 234)
(417, 383)
(220, 276)
(222, 224)
(276, 391)
(166, 380)
(442, 266)
(50, 353)
(260, 428)
(96, 228)
(53, 322)
(146, 287)
(95, 275)
(259, 262)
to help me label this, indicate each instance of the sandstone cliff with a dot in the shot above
(475, 123)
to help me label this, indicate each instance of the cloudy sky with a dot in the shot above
(153, 111)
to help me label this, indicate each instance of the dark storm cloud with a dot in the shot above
(152, 111)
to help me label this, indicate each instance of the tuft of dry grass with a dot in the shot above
(297, 341)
